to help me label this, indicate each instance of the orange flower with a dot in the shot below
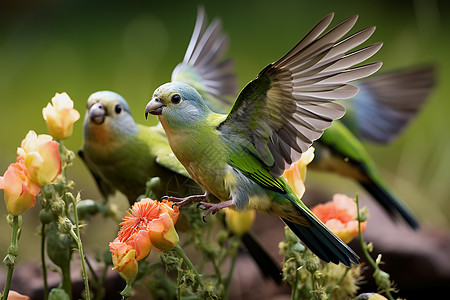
(296, 174)
(339, 216)
(239, 222)
(20, 190)
(124, 259)
(13, 295)
(148, 223)
(41, 157)
(60, 116)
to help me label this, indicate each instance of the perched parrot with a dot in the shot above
(123, 155)
(239, 158)
(383, 107)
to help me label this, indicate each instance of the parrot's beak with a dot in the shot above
(97, 113)
(154, 107)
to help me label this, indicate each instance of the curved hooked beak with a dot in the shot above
(97, 113)
(154, 107)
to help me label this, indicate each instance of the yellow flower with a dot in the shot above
(20, 190)
(239, 222)
(60, 116)
(41, 157)
(296, 175)
(339, 216)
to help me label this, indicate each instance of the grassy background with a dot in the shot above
(131, 47)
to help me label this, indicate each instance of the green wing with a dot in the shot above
(278, 115)
(170, 162)
(159, 147)
(387, 103)
(252, 168)
(105, 188)
(204, 68)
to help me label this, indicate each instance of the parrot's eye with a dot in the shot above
(176, 99)
(118, 109)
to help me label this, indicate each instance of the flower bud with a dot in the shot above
(124, 259)
(41, 156)
(65, 226)
(239, 222)
(382, 279)
(60, 116)
(162, 233)
(20, 190)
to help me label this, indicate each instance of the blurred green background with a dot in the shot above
(131, 47)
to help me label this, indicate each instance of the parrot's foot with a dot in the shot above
(214, 207)
(180, 202)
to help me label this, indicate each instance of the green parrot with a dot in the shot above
(123, 155)
(383, 107)
(239, 158)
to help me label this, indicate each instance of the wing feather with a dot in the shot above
(290, 103)
(388, 103)
(204, 67)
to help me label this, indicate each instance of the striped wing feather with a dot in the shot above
(290, 103)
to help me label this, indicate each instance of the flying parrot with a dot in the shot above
(239, 158)
(124, 156)
(383, 107)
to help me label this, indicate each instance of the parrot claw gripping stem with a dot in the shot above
(213, 207)
(180, 202)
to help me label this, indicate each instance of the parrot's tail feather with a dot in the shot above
(390, 203)
(323, 243)
(265, 262)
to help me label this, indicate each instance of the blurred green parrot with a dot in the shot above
(383, 107)
(124, 156)
(239, 158)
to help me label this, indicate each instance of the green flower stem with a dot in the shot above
(91, 268)
(11, 257)
(343, 276)
(44, 265)
(179, 277)
(366, 251)
(126, 293)
(180, 252)
(66, 279)
(76, 236)
(229, 275)
(216, 269)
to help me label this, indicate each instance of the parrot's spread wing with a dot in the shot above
(170, 162)
(105, 188)
(387, 103)
(204, 68)
(278, 115)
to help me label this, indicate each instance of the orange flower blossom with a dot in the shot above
(296, 174)
(60, 116)
(41, 156)
(20, 190)
(149, 223)
(339, 216)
